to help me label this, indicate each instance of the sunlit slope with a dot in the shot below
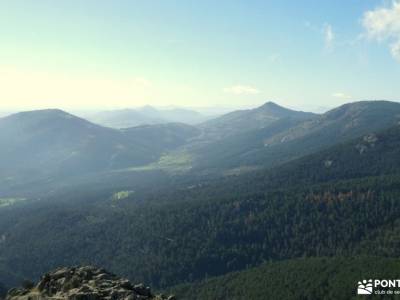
(286, 139)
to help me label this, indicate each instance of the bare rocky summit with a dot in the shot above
(83, 283)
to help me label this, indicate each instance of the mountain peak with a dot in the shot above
(240, 121)
(48, 111)
(43, 115)
(46, 121)
(276, 110)
(40, 115)
(272, 107)
(271, 104)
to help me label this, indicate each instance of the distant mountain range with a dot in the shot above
(53, 142)
(146, 115)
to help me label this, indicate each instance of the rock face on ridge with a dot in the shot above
(83, 283)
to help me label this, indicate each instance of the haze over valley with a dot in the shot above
(81, 181)
(199, 150)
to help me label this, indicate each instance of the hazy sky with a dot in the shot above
(77, 54)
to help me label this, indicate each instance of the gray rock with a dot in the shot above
(84, 283)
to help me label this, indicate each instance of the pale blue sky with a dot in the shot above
(307, 54)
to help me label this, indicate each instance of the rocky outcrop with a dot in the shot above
(84, 283)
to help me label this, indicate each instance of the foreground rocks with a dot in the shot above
(84, 283)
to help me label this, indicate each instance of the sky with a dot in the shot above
(98, 54)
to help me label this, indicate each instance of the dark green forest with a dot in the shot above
(172, 243)
(333, 278)
(3, 290)
(192, 232)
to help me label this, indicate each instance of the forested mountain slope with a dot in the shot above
(3, 291)
(373, 154)
(310, 278)
(306, 208)
(266, 147)
(190, 240)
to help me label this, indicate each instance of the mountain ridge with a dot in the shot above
(293, 140)
(59, 142)
(245, 120)
(146, 115)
